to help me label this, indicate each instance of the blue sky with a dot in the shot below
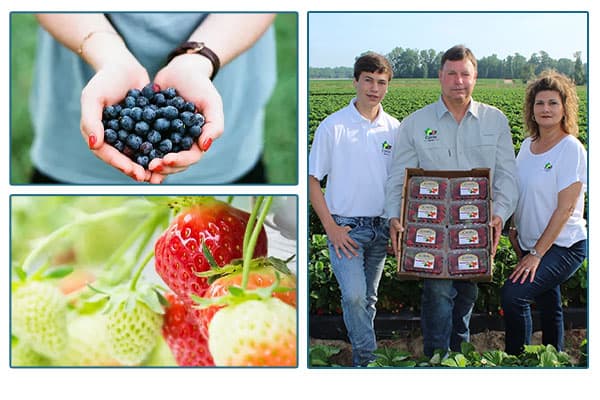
(335, 39)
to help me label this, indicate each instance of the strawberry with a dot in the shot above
(132, 330)
(182, 334)
(88, 342)
(265, 273)
(180, 253)
(254, 333)
(39, 317)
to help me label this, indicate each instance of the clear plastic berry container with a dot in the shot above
(427, 212)
(427, 187)
(423, 260)
(472, 261)
(469, 212)
(424, 235)
(468, 236)
(469, 188)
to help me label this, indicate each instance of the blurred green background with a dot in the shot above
(281, 137)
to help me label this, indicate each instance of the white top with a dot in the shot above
(541, 177)
(433, 140)
(356, 155)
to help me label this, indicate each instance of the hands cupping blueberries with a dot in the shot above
(150, 123)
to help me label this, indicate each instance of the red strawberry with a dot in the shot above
(182, 334)
(263, 276)
(179, 250)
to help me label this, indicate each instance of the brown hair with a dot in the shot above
(458, 53)
(555, 81)
(372, 62)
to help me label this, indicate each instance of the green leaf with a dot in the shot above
(209, 257)
(21, 274)
(58, 273)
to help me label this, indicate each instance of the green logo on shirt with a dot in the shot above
(386, 148)
(430, 134)
(548, 166)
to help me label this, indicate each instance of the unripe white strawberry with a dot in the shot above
(132, 334)
(254, 333)
(22, 355)
(39, 317)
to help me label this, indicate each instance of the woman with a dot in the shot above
(550, 232)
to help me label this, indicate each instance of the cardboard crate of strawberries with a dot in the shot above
(446, 215)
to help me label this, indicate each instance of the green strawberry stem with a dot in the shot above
(138, 272)
(65, 230)
(145, 231)
(256, 229)
(251, 220)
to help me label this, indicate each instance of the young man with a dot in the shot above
(353, 148)
(468, 134)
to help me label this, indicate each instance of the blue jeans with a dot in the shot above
(358, 278)
(557, 265)
(445, 313)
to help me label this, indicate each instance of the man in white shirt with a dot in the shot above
(454, 133)
(353, 148)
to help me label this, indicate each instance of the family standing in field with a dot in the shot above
(363, 152)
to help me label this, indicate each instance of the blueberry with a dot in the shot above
(142, 101)
(126, 123)
(110, 136)
(154, 153)
(143, 161)
(148, 114)
(186, 143)
(170, 112)
(189, 106)
(142, 128)
(146, 148)
(110, 112)
(118, 108)
(154, 136)
(176, 149)
(148, 91)
(125, 112)
(170, 92)
(165, 146)
(187, 118)
(122, 135)
(159, 99)
(134, 141)
(129, 152)
(135, 93)
(129, 102)
(119, 145)
(194, 131)
(176, 138)
(177, 101)
(136, 113)
(162, 124)
(199, 118)
(178, 126)
(154, 107)
(113, 124)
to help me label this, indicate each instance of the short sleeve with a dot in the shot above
(319, 158)
(574, 167)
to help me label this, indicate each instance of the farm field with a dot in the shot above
(408, 95)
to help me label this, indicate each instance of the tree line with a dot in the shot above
(414, 63)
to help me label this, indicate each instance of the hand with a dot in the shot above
(497, 224)
(526, 267)
(395, 229)
(339, 238)
(188, 73)
(108, 86)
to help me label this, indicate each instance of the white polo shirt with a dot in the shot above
(356, 156)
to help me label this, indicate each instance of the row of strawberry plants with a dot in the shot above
(543, 356)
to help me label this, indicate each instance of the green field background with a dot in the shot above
(281, 138)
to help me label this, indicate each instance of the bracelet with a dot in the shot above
(92, 33)
(197, 48)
